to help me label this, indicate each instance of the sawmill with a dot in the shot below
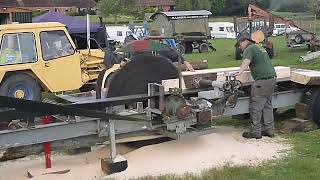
(141, 97)
(149, 96)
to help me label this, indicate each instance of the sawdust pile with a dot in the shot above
(224, 147)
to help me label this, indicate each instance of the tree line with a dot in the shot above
(239, 7)
(217, 7)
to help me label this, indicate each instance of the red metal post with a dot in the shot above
(46, 145)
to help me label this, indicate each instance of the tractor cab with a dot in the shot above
(38, 57)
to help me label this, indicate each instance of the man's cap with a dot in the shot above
(258, 36)
(243, 38)
(155, 34)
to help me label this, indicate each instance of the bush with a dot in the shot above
(36, 13)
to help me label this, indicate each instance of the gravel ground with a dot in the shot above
(224, 147)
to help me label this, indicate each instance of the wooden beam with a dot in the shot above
(220, 74)
(305, 77)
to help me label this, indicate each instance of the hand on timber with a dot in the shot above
(188, 66)
(237, 73)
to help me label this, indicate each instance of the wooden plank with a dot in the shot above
(306, 77)
(246, 78)
(197, 65)
(172, 83)
(282, 73)
(220, 74)
(191, 80)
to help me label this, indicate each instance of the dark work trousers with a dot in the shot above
(261, 106)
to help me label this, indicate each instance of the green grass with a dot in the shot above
(283, 56)
(304, 160)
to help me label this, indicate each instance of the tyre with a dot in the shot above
(87, 88)
(203, 48)
(270, 49)
(189, 48)
(270, 52)
(181, 48)
(21, 86)
(238, 53)
(299, 39)
(315, 107)
(314, 48)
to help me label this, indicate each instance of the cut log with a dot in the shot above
(172, 83)
(297, 125)
(309, 56)
(303, 111)
(197, 65)
(305, 77)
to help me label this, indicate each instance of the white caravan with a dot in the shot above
(118, 33)
(222, 30)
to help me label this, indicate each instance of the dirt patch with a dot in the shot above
(224, 147)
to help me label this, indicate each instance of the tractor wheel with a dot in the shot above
(238, 53)
(87, 88)
(314, 48)
(203, 48)
(181, 48)
(299, 39)
(270, 49)
(21, 86)
(315, 106)
(189, 48)
(270, 52)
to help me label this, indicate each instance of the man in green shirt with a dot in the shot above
(256, 58)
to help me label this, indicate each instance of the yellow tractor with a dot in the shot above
(41, 57)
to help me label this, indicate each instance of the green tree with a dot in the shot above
(201, 4)
(184, 5)
(313, 6)
(115, 8)
(217, 7)
(235, 8)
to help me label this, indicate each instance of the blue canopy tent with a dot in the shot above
(76, 27)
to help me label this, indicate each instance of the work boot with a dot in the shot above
(250, 135)
(265, 133)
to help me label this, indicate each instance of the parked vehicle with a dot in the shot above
(189, 28)
(118, 33)
(41, 57)
(290, 29)
(222, 30)
(257, 20)
(279, 29)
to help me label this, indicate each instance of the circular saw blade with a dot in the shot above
(134, 77)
